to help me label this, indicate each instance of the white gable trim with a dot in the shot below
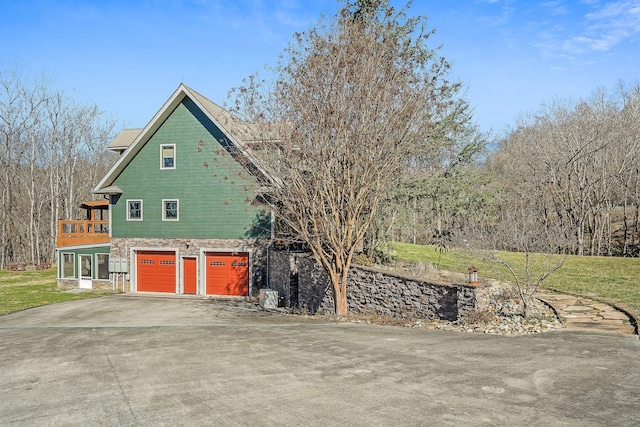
(141, 139)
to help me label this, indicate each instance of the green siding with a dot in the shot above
(217, 195)
(82, 251)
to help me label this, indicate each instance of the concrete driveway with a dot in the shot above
(131, 361)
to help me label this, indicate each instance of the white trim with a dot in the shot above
(203, 266)
(133, 264)
(229, 135)
(129, 210)
(154, 124)
(177, 218)
(87, 246)
(182, 269)
(79, 267)
(61, 266)
(97, 263)
(110, 215)
(162, 166)
(145, 134)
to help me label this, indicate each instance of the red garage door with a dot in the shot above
(156, 271)
(227, 273)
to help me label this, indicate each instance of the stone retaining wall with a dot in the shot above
(368, 290)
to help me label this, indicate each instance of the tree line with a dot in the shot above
(575, 166)
(565, 179)
(52, 151)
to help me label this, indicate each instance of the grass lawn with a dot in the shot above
(20, 290)
(608, 279)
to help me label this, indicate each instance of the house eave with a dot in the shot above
(112, 190)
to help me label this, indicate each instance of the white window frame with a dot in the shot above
(73, 273)
(162, 146)
(97, 263)
(164, 210)
(129, 210)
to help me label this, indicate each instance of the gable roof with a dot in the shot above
(240, 134)
(124, 139)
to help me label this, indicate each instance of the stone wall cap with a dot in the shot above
(407, 276)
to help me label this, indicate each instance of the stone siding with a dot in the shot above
(120, 248)
(369, 291)
(95, 284)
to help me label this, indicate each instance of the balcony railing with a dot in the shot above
(82, 232)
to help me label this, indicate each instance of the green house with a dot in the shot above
(184, 209)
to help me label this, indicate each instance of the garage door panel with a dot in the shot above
(156, 271)
(227, 273)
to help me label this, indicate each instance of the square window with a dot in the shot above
(134, 210)
(168, 156)
(170, 210)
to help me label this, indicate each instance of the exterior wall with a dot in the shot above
(217, 196)
(371, 290)
(96, 284)
(93, 250)
(122, 247)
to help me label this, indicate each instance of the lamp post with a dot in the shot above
(473, 275)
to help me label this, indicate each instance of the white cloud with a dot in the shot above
(606, 27)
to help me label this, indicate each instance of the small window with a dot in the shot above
(168, 156)
(170, 210)
(102, 260)
(134, 210)
(68, 266)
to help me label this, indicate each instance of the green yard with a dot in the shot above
(613, 280)
(25, 289)
(609, 279)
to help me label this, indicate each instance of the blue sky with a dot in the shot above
(128, 56)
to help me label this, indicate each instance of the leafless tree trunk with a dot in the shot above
(45, 142)
(350, 101)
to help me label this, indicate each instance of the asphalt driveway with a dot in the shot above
(131, 361)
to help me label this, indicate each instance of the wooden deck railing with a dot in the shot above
(82, 232)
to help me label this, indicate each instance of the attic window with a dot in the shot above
(168, 156)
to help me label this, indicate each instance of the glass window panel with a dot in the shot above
(135, 209)
(168, 156)
(170, 209)
(103, 266)
(68, 266)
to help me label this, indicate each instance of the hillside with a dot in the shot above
(610, 279)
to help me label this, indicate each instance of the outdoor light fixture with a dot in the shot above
(473, 275)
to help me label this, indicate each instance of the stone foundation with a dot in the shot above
(301, 282)
(121, 248)
(95, 284)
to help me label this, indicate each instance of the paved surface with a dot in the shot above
(132, 361)
(585, 314)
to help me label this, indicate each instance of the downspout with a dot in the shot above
(273, 234)
(268, 284)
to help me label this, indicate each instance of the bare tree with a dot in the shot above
(349, 101)
(519, 227)
(20, 106)
(51, 152)
(575, 162)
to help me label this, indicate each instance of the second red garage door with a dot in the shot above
(227, 273)
(156, 271)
